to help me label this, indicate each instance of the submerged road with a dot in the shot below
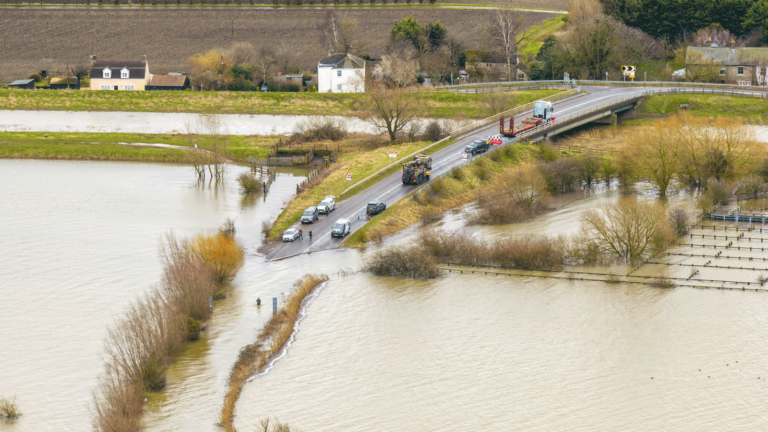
(391, 189)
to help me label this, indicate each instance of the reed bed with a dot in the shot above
(276, 332)
(142, 344)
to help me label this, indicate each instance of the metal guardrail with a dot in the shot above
(516, 110)
(611, 83)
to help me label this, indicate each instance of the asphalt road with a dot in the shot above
(391, 189)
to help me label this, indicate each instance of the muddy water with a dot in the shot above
(460, 352)
(79, 242)
(468, 352)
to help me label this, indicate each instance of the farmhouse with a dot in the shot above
(741, 66)
(119, 75)
(341, 73)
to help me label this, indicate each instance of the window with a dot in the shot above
(744, 82)
(357, 88)
(129, 87)
(104, 87)
(741, 70)
(338, 87)
(722, 71)
(107, 73)
(338, 73)
(124, 73)
(487, 65)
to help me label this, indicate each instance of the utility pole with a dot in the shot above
(67, 73)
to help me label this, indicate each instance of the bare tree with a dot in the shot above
(264, 64)
(655, 151)
(399, 67)
(242, 53)
(391, 110)
(505, 31)
(628, 229)
(698, 68)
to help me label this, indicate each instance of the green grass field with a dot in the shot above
(531, 46)
(100, 152)
(753, 110)
(427, 104)
(237, 147)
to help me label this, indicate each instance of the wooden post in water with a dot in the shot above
(274, 305)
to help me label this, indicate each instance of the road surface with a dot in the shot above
(391, 189)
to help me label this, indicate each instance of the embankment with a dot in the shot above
(270, 340)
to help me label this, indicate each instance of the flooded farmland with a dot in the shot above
(374, 353)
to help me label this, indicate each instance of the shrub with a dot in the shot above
(457, 174)
(433, 132)
(8, 408)
(318, 129)
(547, 152)
(628, 229)
(719, 191)
(560, 174)
(679, 220)
(249, 183)
(36, 76)
(400, 261)
(222, 254)
(481, 170)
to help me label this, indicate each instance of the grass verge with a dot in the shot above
(276, 332)
(458, 188)
(429, 104)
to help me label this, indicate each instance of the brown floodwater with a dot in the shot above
(459, 352)
(79, 242)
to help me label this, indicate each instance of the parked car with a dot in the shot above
(477, 146)
(264, 88)
(310, 215)
(340, 228)
(375, 207)
(291, 234)
(327, 205)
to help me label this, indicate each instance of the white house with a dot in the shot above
(341, 73)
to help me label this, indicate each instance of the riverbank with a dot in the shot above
(270, 340)
(426, 104)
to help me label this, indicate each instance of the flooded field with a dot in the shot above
(459, 352)
(150, 122)
(79, 243)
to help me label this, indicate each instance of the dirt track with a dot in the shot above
(35, 39)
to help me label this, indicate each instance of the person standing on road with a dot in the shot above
(301, 234)
(310, 235)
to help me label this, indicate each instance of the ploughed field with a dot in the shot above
(169, 36)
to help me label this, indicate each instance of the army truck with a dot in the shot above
(417, 170)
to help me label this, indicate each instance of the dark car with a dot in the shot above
(310, 215)
(477, 146)
(375, 207)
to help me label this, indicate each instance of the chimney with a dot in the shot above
(709, 41)
(733, 44)
(93, 58)
(330, 53)
(144, 59)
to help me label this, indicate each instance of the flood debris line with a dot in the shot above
(142, 344)
(270, 341)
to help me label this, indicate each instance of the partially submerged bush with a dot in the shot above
(679, 220)
(628, 229)
(249, 183)
(224, 255)
(8, 408)
(400, 261)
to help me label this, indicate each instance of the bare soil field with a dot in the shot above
(39, 38)
(540, 4)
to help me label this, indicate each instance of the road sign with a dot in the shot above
(628, 71)
(349, 176)
(566, 77)
(392, 154)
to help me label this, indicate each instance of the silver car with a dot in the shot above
(291, 234)
(327, 205)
